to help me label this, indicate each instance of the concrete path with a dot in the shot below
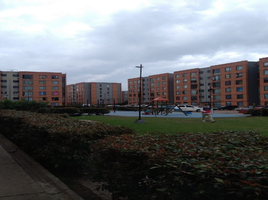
(21, 178)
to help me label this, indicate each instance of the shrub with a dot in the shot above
(216, 166)
(56, 142)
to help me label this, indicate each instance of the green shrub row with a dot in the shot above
(54, 140)
(74, 110)
(220, 165)
(258, 112)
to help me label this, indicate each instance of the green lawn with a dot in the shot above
(194, 125)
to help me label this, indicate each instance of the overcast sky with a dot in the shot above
(103, 40)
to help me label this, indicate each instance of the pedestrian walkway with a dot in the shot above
(21, 178)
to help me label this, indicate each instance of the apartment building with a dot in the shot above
(241, 83)
(34, 86)
(186, 87)
(234, 84)
(94, 93)
(263, 81)
(160, 85)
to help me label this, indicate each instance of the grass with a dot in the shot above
(179, 125)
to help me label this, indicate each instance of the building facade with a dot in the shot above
(241, 83)
(94, 93)
(34, 86)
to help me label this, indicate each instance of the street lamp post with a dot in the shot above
(140, 120)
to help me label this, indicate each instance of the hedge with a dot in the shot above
(54, 140)
(220, 165)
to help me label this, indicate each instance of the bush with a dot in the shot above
(55, 141)
(215, 166)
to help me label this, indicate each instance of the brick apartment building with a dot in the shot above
(38, 86)
(241, 83)
(160, 85)
(94, 93)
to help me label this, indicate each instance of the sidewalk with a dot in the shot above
(21, 178)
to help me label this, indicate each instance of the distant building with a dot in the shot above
(38, 86)
(96, 93)
(241, 83)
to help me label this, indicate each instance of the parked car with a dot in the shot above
(189, 108)
(229, 107)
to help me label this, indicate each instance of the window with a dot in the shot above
(240, 96)
(216, 71)
(164, 93)
(228, 96)
(184, 92)
(24, 76)
(238, 82)
(216, 97)
(129, 82)
(3, 74)
(27, 94)
(177, 98)
(184, 75)
(15, 86)
(55, 82)
(42, 82)
(55, 104)
(158, 93)
(228, 69)
(3, 81)
(15, 81)
(216, 91)
(3, 86)
(193, 74)
(184, 98)
(227, 82)
(184, 86)
(193, 92)
(265, 80)
(228, 90)
(15, 75)
(193, 98)
(55, 93)
(239, 89)
(266, 88)
(266, 96)
(239, 67)
(55, 98)
(177, 76)
(178, 87)
(163, 78)
(55, 77)
(158, 79)
(265, 64)
(151, 79)
(184, 80)
(27, 82)
(194, 86)
(240, 103)
(193, 80)
(55, 88)
(177, 81)
(216, 78)
(265, 72)
(164, 83)
(27, 88)
(158, 83)
(42, 93)
(42, 98)
(42, 77)
(216, 84)
(227, 76)
(178, 92)
(237, 75)
(152, 84)
(28, 98)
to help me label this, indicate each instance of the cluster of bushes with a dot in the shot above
(218, 165)
(185, 166)
(258, 112)
(43, 107)
(54, 140)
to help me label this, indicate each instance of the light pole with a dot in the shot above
(140, 120)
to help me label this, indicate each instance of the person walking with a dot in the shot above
(207, 112)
